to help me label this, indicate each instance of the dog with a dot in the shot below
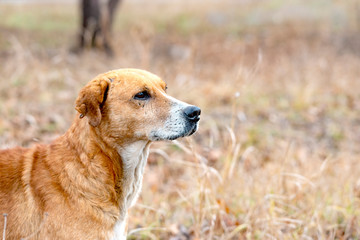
(82, 184)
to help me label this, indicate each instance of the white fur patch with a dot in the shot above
(134, 157)
(119, 231)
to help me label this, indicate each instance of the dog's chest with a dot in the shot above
(119, 231)
(134, 158)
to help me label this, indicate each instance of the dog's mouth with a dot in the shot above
(193, 130)
(189, 130)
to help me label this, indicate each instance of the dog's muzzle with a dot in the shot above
(182, 121)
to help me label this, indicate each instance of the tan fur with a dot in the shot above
(75, 187)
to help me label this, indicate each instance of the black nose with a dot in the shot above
(192, 113)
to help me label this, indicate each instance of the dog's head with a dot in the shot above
(132, 104)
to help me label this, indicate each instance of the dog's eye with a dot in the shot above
(144, 95)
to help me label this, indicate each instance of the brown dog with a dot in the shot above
(81, 185)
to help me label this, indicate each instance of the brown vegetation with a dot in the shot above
(277, 152)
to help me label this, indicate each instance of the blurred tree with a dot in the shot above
(97, 18)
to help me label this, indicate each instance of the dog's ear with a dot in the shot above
(91, 98)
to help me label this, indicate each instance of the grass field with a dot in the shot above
(278, 148)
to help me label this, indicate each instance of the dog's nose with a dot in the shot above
(192, 113)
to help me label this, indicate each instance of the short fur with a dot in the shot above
(81, 185)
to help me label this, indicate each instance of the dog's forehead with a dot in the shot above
(135, 77)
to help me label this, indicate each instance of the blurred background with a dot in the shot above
(278, 148)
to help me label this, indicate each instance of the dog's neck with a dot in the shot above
(124, 165)
(134, 157)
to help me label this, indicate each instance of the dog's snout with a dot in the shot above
(192, 113)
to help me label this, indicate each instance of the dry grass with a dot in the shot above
(277, 152)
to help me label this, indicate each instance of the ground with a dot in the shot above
(277, 152)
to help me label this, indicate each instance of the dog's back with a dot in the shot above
(11, 161)
(13, 191)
